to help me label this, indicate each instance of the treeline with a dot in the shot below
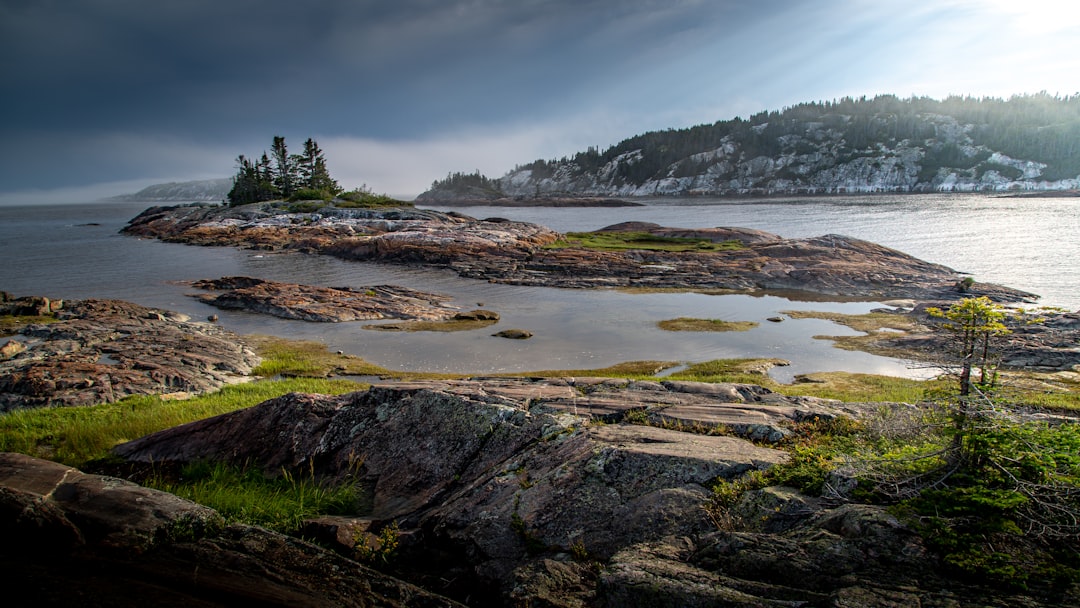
(462, 182)
(281, 175)
(1039, 127)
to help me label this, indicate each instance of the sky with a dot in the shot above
(104, 97)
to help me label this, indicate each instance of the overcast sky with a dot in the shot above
(101, 97)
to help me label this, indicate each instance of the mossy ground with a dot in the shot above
(10, 325)
(689, 324)
(619, 241)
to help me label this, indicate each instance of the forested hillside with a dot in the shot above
(883, 144)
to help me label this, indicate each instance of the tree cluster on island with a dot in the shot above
(280, 175)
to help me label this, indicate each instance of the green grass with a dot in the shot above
(77, 435)
(868, 322)
(848, 386)
(619, 241)
(10, 325)
(629, 369)
(688, 324)
(246, 495)
(368, 200)
(307, 358)
(744, 371)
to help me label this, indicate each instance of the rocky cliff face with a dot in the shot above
(850, 146)
(814, 162)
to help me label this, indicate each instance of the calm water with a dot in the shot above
(75, 251)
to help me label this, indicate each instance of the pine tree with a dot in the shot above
(245, 183)
(312, 169)
(285, 168)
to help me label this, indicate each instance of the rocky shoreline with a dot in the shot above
(504, 251)
(100, 351)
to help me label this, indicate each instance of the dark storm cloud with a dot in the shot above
(218, 70)
(105, 90)
(203, 63)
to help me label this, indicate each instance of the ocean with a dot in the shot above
(75, 251)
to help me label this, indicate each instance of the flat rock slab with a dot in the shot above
(742, 409)
(101, 351)
(712, 454)
(324, 304)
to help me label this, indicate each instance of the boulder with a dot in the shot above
(514, 334)
(76, 539)
(11, 348)
(477, 315)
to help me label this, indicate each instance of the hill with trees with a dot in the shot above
(880, 144)
(206, 190)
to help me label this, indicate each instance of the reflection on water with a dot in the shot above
(59, 256)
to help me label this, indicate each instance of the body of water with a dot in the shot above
(76, 251)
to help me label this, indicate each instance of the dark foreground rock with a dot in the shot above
(101, 351)
(517, 252)
(324, 304)
(539, 493)
(72, 539)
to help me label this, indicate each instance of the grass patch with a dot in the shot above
(619, 241)
(77, 435)
(11, 324)
(848, 386)
(364, 199)
(688, 324)
(867, 323)
(628, 369)
(743, 371)
(244, 494)
(306, 358)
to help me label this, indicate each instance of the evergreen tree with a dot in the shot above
(285, 167)
(312, 171)
(245, 183)
(281, 175)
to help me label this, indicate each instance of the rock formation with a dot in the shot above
(104, 350)
(87, 540)
(520, 253)
(518, 492)
(324, 304)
